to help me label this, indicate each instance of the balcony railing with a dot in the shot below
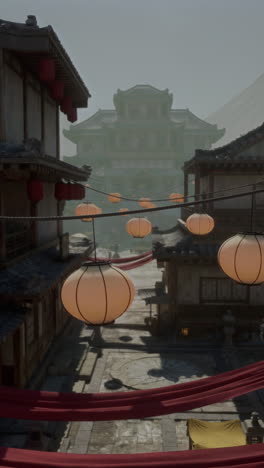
(17, 239)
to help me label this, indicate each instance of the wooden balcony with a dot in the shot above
(17, 240)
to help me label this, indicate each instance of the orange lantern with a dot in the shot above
(241, 257)
(200, 223)
(144, 202)
(114, 197)
(139, 227)
(97, 293)
(176, 198)
(151, 205)
(123, 210)
(86, 209)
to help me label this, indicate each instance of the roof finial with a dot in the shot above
(31, 21)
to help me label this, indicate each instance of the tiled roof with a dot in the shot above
(35, 41)
(10, 319)
(231, 151)
(16, 154)
(181, 243)
(38, 272)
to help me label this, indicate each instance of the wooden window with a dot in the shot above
(220, 290)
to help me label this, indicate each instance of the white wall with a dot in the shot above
(50, 141)
(14, 106)
(47, 230)
(34, 112)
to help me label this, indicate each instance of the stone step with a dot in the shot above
(88, 366)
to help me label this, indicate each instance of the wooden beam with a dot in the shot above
(2, 98)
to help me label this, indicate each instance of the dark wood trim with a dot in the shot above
(223, 301)
(2, 98)
(2, 231)
(57, 132)
(211, 190)
(197, 184)
(186, 186)
(59, 222)
(33, 212)
(42, 111)
(25, 104)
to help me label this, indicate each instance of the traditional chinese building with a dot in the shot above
(37, 77)
(138, 148)
(196, 293)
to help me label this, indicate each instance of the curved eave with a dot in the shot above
(30, 44)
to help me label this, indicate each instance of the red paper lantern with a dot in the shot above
(35, 190)
(80, 192)
(72, 115)
(70, 191)
(46, 69)
(57, 90)
(66, 104)
(61, 191)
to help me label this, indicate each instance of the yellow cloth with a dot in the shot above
(204, 434)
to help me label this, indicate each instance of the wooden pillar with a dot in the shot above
(2, 230)
(59, 222)
(33, 212)
(211, 191)
(186, 187)
(43, 95)
(25, 85)
(2, 98)
(57, 132)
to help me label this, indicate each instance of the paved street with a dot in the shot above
(133, 359)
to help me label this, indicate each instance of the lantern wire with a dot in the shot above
(95, 257)
(172, 199)
(146, 210)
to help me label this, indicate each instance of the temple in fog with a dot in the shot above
(139, 147)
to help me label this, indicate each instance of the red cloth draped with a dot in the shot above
(124, 259)
(54, 406)
(139, 263)
(247, 456)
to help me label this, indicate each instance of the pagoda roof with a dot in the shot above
(233, 152)
(143, 88)
(108, 118)
(31, 43)
(179, 243)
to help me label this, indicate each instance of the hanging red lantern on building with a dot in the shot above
(35, 190)
(61, 191)
(80, 192)
(66, 104)
(139, 227)
(97, 293)
(200, 223)
(46, 69)
(72, 115)
(241, 257)
(57, 90)
(70, 191)
(114, 197)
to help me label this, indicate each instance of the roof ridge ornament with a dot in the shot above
(31, 21)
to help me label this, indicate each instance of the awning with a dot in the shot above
(205, 434)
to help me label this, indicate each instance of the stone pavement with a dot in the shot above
(133, 359)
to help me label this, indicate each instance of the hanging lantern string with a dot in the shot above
(146, 210)
(95, 257)
(176, 198)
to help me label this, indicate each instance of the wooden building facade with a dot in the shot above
(34, 256)
(198, 292)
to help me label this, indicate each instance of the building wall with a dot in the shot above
(14, 106)
(50, 126)
(47, 230)
(38, 118)
(225, 181)
(33, 109)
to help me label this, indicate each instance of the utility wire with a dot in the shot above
(176, 198)
(147, 210)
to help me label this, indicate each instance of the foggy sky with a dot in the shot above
(204, 51)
